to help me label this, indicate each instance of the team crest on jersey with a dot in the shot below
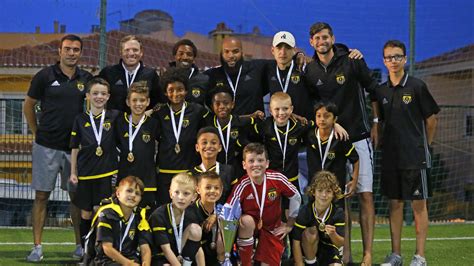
(170, 231)
(80, 86)
(196, 92)
(87, 124)
(340, 79)
(131, 234)
(234, 134)
(331, 155)
(406, 98)
(295, 79)
(185, 123)
(167, 117)
(219, 84)
(292, 141)
(272, 194)
(146, 137)
(107, 125)
(125, 135)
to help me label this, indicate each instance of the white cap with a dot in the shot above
(284, 37)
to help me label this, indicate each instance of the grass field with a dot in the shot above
(448, 244)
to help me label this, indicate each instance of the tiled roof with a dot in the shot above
(157, 53)
(459, 55)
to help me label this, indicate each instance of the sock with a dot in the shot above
(190, 249)
(310, 262)
(84, 228)
(245, 250)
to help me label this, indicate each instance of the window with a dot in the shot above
(11, 117)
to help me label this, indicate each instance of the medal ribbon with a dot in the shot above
(130, 75)
(325, 213)
(287, 80)
(260, 203)
(97, 135)
(130, 221)
(191, 74)
(178, 234)
(328, 145)
(282, 147)
(225, 142)
(177, 131)
(234, 88)
(131, 134)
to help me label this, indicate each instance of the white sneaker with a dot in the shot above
(36, 254)
(418, 261)
(393, 260)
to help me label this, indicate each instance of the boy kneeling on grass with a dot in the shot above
(122, 227)
(319, 228)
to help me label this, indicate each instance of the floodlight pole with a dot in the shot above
(103, 35)
(411, 69)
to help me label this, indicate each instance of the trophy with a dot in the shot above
(228, 223)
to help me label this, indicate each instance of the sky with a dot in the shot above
(441, 25)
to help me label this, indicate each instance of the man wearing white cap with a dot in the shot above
(284, 75)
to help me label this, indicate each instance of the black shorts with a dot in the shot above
(328, 254)
(406, 184)
(89, 193)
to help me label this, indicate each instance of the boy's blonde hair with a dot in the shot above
(280, 96)
(184, 180)
(323, 180)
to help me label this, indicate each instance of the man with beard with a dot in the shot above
(130, 70)
(334, 77)
(245, 78)
(184, 53)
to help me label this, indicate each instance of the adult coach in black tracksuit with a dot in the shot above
(333, 76)
(245, 78)
(130, 70)
(184, 53)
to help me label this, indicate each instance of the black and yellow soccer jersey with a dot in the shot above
(307, 218)
(144, 150)
(227, 175)
(299, 93)
(61, 100)
(168, 160)
(89, 164)
(201, 215)
(404, 109)
(240, 127)
(162, 229)
(296, 132)
(111, 228)
(338, 154)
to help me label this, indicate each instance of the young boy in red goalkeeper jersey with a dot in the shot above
(260, 193)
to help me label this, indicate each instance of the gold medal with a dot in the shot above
(260, 224)
(177, 148)
(99, 151)
(130, 157)
(322, 226)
